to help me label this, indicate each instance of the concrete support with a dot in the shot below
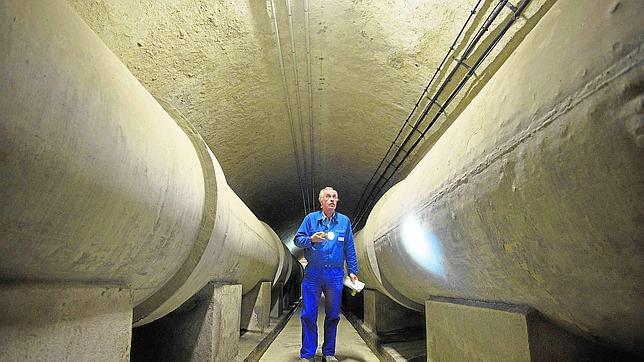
(277, 300)
(204, 328)
(44, 322)
(295, 292)
(499, 332)
(382, 314)
(353, 304)
(256, 308)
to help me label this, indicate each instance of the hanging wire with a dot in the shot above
(406, 123)
(288, 107)
(310, 101)
(366, 202)
(307, 183)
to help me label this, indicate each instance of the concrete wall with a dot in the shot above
(354, 71)
(534, 195)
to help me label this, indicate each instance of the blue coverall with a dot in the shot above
(324, 274)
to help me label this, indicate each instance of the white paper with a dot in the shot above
(357, 286)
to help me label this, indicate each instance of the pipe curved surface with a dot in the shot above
(101, 185)
(534, 195)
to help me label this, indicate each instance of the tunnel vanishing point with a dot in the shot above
(513, 225)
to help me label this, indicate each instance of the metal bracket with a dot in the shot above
(511, 6)
(466, 66)
(413, 129)
(400, 147)
(436, 103)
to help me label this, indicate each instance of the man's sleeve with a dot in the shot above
(302, 238)
(350, 251)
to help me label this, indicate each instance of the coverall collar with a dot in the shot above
(322, 217)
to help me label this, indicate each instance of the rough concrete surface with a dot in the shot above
(381, 314)
(65, 322)
(471, 331)
(217, 63)
(534, 194)
(279, 301)
(256, 308)
(98, 182)
(204, 328)
(531, 185)
(101, 184)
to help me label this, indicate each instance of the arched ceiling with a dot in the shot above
(253, 96)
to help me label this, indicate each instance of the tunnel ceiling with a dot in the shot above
(217, 63)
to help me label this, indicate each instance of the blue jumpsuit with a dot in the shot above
(324, 274)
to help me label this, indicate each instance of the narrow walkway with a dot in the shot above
(350, 347)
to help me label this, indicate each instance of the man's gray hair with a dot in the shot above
(328, 188)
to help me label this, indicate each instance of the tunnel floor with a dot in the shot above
(349, 346)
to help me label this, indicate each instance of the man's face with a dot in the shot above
(329, 200)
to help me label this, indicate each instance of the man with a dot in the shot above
(327, 240)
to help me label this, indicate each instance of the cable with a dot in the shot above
(299, 106)
(288, 106)
(310, 81)
(440, 66)
(365, 204)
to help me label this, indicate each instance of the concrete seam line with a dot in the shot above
(143, 309)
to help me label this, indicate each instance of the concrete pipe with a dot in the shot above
(285, 265)
(100, 185)
(534, 195)
(297, 271)
(240, 249)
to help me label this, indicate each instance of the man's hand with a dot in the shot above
(318, 237)
(354, 278)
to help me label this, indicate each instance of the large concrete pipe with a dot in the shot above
(535, 195)
(100, 185)
(240, 249)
